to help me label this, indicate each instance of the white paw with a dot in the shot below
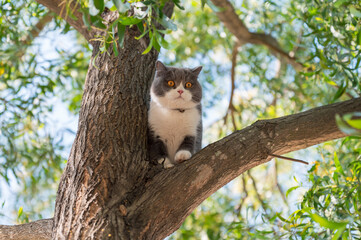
(166, 162)
(182, 155)
(161, 160)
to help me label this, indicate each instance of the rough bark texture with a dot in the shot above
(108, 158)
(235, 25)
(38, 230)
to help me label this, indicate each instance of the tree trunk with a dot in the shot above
(108, 160)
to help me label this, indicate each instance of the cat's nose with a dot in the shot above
(180, 92)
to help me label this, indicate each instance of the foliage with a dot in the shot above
(146, 15)
(335, 29)
(331, 207)
(31, 154)
(322, 35)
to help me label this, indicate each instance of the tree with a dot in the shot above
(109, 188)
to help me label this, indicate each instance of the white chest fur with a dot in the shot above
(172, 125)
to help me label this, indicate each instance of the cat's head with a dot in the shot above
(176, 88)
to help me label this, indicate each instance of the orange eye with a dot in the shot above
(170, 83)
(188, 85)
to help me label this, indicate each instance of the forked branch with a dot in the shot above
(61, 7)
(176, 192)
(235, 25)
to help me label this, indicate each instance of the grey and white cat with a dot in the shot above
(175, 115)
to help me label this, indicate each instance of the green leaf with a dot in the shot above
(121, 33)
(156, 43)
(345, 127)
(122, 7)
(86, 19)
(162, 41)
(290, 190)
(353, 119)
(115, 49)
(338, 3)
(203, 3)
(97, 21)
(129, 20)
(177, 3)
(20, 212)
(324, 222)
(107, 42)
(355, 12)
(341, 90)
(167, 23)
(99, 4)
(338, 165)
(282, 218)
(149, 46)
(140, 26)
(339, 231)
(358, 42)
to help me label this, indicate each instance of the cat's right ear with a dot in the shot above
(160, 67)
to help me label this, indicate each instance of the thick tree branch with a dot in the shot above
(174, 193)
(38, 230)
(236, 26)
(34, 32)
(59, 7)
(39, 26)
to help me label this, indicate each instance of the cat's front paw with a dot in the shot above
(166, 162)
(182, 156)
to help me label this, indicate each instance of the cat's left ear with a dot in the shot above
(197, 70)
(160, 67)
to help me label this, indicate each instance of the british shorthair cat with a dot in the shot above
(175, 115)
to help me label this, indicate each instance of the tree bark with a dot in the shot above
(38, 230)
(108, 160)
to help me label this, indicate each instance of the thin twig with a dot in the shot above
(263, 204)
(288, 158)
(243, 199)
(278, 185)
(231, 107)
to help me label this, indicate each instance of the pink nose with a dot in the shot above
(180, 92)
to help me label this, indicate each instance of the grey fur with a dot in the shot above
(179, 76)
(163, 114)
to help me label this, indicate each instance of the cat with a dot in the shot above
(175, 115)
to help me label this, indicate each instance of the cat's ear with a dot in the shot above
(159, 66)
(196, 70)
